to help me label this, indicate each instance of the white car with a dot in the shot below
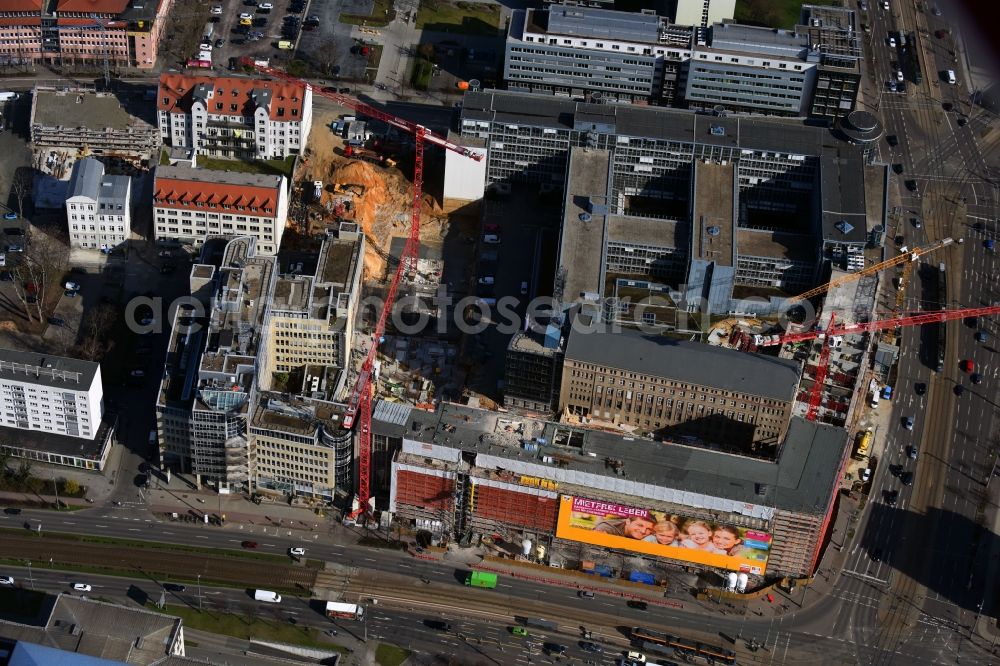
(6, 580)
(636, 657)
(3, 259)
(72, 286)
(524, 288)
(866, 474)
(297, 552)
(217, 10)
(492, 239)
(899, 75)
(246, 16)
(892, 42)
(885, 5)
(205, 46)
(486, 279)
(82, 587)
(265, 5)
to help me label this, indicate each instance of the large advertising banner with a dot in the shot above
(663, 535)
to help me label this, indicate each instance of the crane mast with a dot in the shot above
(359, 403)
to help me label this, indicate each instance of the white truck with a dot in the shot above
(343, 611)
(267, 595)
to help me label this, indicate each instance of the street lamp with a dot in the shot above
(199, 591)
(31, 581)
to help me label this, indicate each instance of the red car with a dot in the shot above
(968, 365)
(249, 544)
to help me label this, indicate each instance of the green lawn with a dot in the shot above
(390, 655)
(772, 13)
(262, 626)
(276, 167)
(422, 73)
(471, 18)
(382, 14)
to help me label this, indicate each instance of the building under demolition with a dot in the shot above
(84, 119)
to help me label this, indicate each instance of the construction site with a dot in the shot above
(361, 172)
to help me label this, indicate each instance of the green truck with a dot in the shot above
(482, 579)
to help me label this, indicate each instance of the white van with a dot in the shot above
(951, 77)
(267, 595)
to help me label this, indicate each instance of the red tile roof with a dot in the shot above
(26, 20)
(92, 6)
(88, 21)
(22, 6)
(175, 93)
(210, 197)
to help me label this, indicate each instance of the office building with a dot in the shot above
(234, 117)
(97, 122)
(72, 33)
(574, 51)
(308, 330)
(703, 12)
(300, 447)
(98, 207)
(662, 387)
(214, 356)
(533, 369)
(742, 211)
(190, 205)
(623, 57)
(460, 473)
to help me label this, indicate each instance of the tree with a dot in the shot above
(97, 340)
(46, 260)
(21, 187)
(23, 474)
(71, 487)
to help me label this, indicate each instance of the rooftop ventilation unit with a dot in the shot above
(713, 231)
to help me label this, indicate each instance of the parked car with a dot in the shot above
(56, 321)
(15, 247)
(891, 496)
(976, 378)
(866, 474)
(911, 452)
(10, 216)
(72, 286)
(920, 388)
(980, 336)
(492, 239)
(892, 140)
(876, 555)
(968, 365)
(906, 478)
(216, 10)
(908, 423)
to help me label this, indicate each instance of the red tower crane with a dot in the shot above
(904, 319)
(360, 402)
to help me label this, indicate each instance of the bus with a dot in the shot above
(667, 645)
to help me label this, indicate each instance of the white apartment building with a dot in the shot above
(234, 117)
(52, 394)
(98, 207)
(192, 204)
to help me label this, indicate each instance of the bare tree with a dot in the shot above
(46, 260)
(21, 187)
(96, 341)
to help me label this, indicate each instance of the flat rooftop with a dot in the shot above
(842, 193)
(82, 108)
(583, 233)
(295, 415)
(800, 479)
(647, 231)
(679, 125)
(685, 361)
(576, 21)
(60, 372)
(714, 202)
(774, 245)
(63, 445)
(337, 262)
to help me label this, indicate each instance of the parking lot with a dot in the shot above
(255, 29)
(327, 49)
